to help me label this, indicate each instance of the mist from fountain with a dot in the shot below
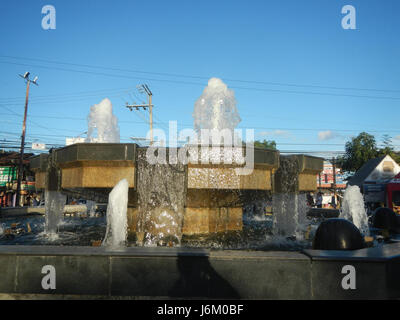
(216, 109)
(117, 221)
(54, 211)
(101, 118)
(353, 209)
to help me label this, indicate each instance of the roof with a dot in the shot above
(12, 158)
(363, 173)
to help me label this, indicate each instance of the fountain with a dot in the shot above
(216, 108)
(163, 205)
(353, 209)
(102, 119)
(160, 202)
(54, 210)
(116, 231)
(293, 179)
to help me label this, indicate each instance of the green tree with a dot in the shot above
(388, 149)
(265, 144)
(358, 151)
(387, 145)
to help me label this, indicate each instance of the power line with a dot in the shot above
(74, 94)
(202, 84)
(164, 124)
(200, 77)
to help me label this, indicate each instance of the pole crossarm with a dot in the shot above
(139, 106)
(145, 88)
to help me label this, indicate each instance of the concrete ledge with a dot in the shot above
(377, 273)
(30, 211)
(323, 213)
(136, 272)
(96, 151)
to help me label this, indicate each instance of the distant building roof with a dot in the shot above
(363, 173)
(12, 158)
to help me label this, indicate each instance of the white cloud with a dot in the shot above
(277, 132)
(327, 135)
(396, 137)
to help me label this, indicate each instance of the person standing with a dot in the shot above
(333, 201)
(319, 200)
(310, 200)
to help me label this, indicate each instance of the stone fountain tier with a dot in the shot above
(214, 193)
(299, 174)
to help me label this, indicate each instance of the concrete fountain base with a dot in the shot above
(84, 272)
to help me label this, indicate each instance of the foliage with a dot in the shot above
(358, 151)
(265, 144)
(388, 148)
(363, 148)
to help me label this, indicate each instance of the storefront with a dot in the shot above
(393, 194)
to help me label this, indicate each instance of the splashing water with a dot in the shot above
(91, 208)
(101, 118)
(353, 209)
(54, 210)
(216, 108)
(161, 198)
(289, 206)
(117, 221)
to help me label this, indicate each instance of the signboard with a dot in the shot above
(374, 192)
(368, 188)
(7, 174)
(38, 146)
(69, 141)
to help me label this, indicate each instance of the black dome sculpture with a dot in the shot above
(386, 218)
(338, 234)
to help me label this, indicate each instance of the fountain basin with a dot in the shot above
(189, 273)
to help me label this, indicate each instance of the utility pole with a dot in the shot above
(21, 156)
(334, 180)
(334, 174)
(144, 106)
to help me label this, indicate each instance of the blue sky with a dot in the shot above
(299, 77)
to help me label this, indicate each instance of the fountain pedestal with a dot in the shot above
(213, 194)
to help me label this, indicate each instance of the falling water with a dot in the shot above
(54, 210)
(353, 209)
(101, 118)
(161, 196)
(91, 208)
(289, 206)
(117, 221)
